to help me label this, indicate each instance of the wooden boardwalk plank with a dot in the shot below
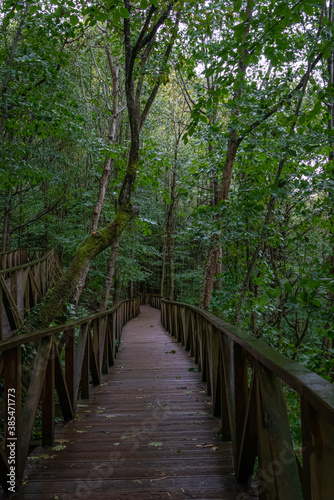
(146, 433)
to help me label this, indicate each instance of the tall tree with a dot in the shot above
(138, 47)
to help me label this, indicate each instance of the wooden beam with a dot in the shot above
(278, 474)
(32, 401)
(48, 403)
(60, 383)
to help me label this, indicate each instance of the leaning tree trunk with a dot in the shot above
(99, 240)
(104, 181)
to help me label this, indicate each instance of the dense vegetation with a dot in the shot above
(228, 198)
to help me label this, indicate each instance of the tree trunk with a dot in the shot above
(104, 181)
(109, 275)
(98, 241)
(232, 148)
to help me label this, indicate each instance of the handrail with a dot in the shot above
(28, 264)
(245, 377)
(23, 286)
(18, 256)
(89, 347)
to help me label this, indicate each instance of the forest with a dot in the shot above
(180, 148)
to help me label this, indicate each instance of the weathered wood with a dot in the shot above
(48, 372)
(78, 361)
(48, 404)
(10, 306)
(316, 390)
(7, 344)
(31, 401)
(26, 285)
(248, 445)
(279, 477)
(139, 466)
(62, 391)
(225, 421)
(94, 367)
(69, 362)
(318, 454)
(12, 398)
(84, 382)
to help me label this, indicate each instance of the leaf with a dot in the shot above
(143, 4)
(74, 19)
(124, 12)
(308, 9)
(288, 287)
(111, 416)
(155, 443)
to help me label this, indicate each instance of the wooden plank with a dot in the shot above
(69, 363)
(248, 446)
(213, 346)
(48, 403)
(140, 406)
(106, 350)
(318, 455)
(12, 403)
(38, 335)
(96, 378)
(225, 421)
(32, 400)
(78, 363)
(111, 342)
(35, 286)
(60, 383)
(84, 384)
(278, 476)
(10, 306)
(235, 372)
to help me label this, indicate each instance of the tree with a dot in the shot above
(145, 39)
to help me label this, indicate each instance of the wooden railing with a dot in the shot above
(13, 258)
(245, 378)
(86, 347)
(24, 286)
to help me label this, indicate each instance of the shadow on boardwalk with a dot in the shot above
(146, 433)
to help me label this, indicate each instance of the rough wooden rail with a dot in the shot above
(245, 378)
(13, 258)
(24, 286)
(84, 347)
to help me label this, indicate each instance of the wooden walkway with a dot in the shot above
(146, 433)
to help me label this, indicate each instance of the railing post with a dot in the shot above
(318, 454)
(278, 472)
(84, 383)
(48, 404)
(235, 371)
(69, 363)
(12, 403)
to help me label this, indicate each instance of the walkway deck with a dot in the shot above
(146, 433)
